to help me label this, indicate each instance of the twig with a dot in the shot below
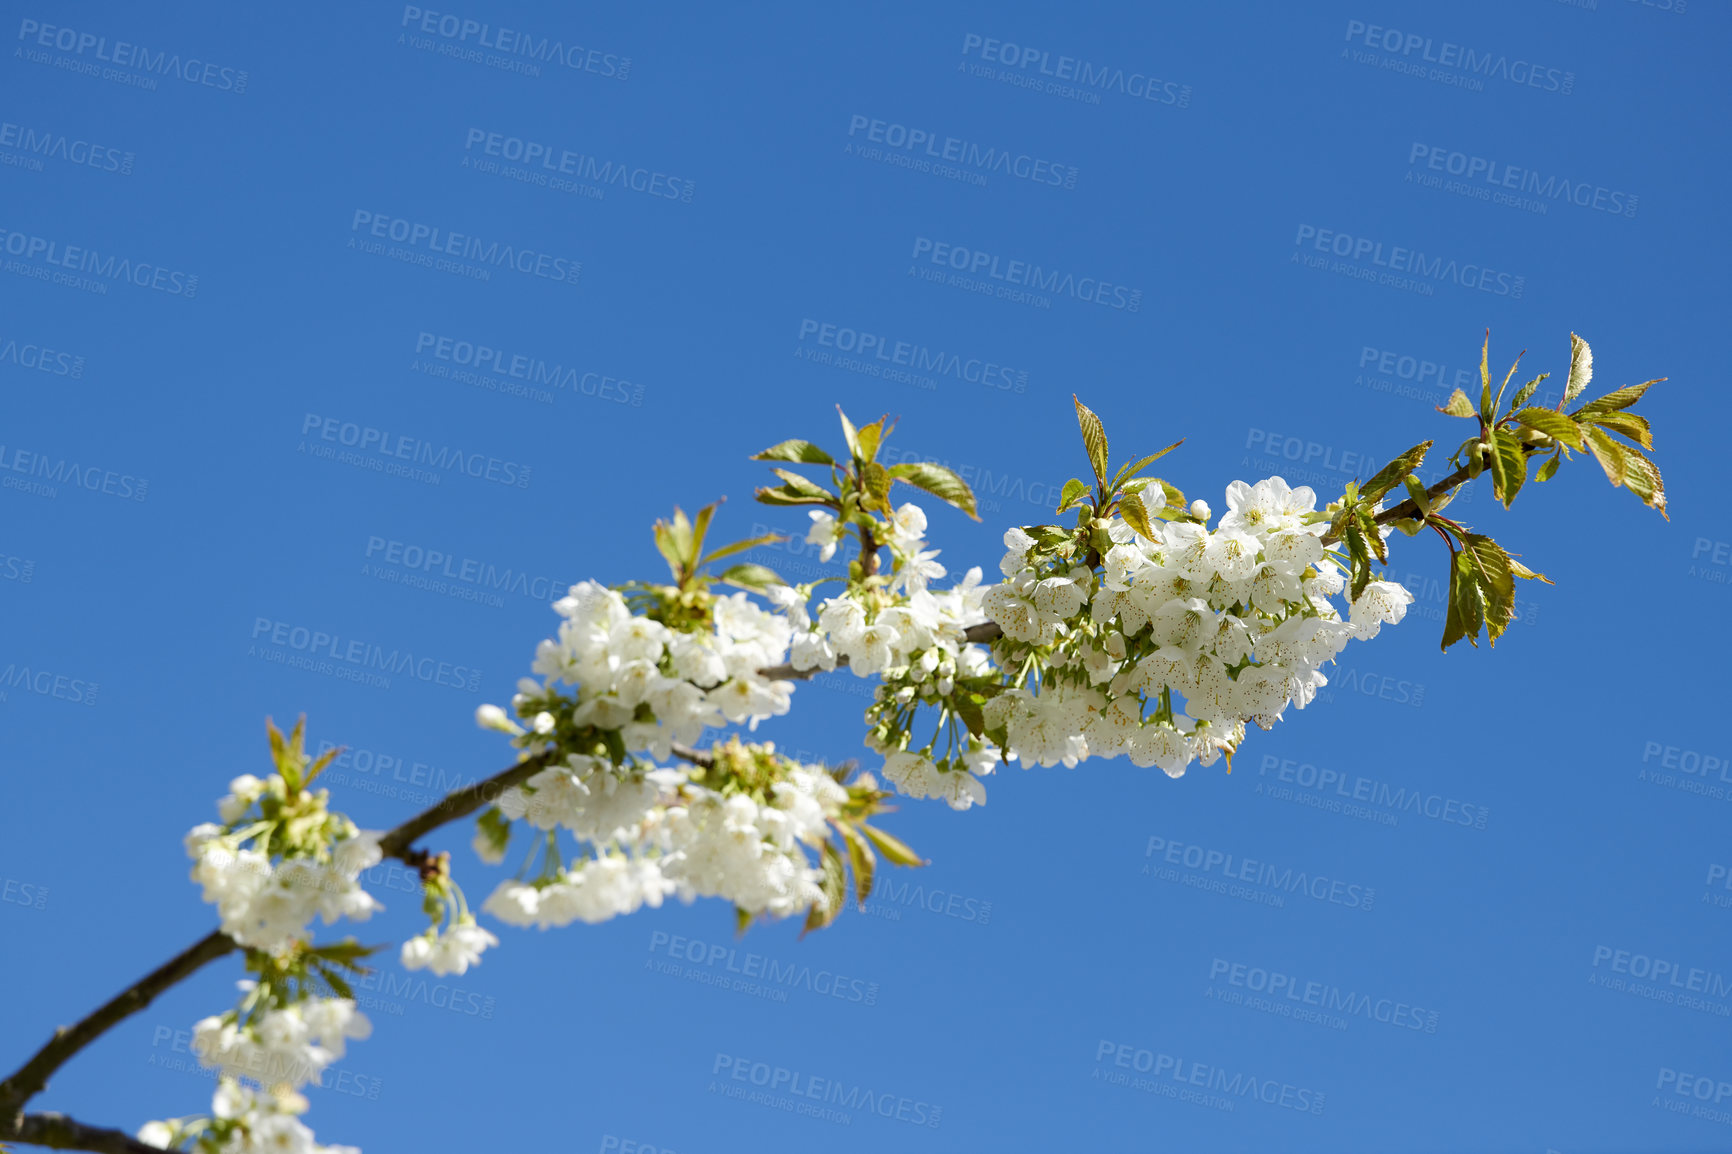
(58, 1132)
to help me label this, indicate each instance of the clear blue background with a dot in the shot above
(569, 1040)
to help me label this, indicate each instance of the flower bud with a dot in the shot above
(1200, 509)
(493, 717)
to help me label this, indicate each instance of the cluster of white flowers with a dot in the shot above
(288, 1045)
(268, 906)
(1237, 620)
(917, 775)
(658, 834)
(449, 951)
(690, 681)
(244, 1121)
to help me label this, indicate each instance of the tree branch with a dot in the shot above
(59, 1132)
(32, 1077)
(67, 1041)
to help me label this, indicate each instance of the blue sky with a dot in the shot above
(1284, 229)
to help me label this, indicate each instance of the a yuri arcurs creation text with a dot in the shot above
(1145, 626)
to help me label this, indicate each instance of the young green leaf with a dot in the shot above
(756, 578)
(1457, 406)
(1136, 514)
(1616, 399)
(940, 482)
(1136, 467)
(1094, 436)
(798, 484)
(789, 495)
(861, 859)
(741, 547)
(1631, 425)
(1391, 474)
(893, 849)
(1553, 424)
(1508, 377)
(1466, 612)
(1491, 570)
(1507, 453)
(849, 433)
(1527, 391)
(1486, 411)
(877, 480)
(1074, 491)
(1581, 370)
(870, 438)
(1608, 453)
(1549, 469)
(799, 452)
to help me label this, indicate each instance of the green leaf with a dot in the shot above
(1490, 567)
(788, 495)
(1509, 466)
(1417, 494)
(1617, 399)
(972, 716)
(1486, 412)
(1581, 369)
(1553, 424)
(799, 452)
(1527, 391)
(1457, 406)
(833, 881)
(870, 438)
(798, 484)
(940, 482)
(1466, 612)
(1391, 474)
(742, 921)
(1094, 436)
(1359, 556)
(741, 547)
(893, 849)
(338, 984)
(1608, 453)
(849, 433)
(748, 576)
(1136, 514)
(1373, 538)
(860, 859)
(324, 760)
(1526, 574)
(1631, 425)
(1074, 491)
(1508, 377)
(1549, 469)
(877, 480)
(1136, 467)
